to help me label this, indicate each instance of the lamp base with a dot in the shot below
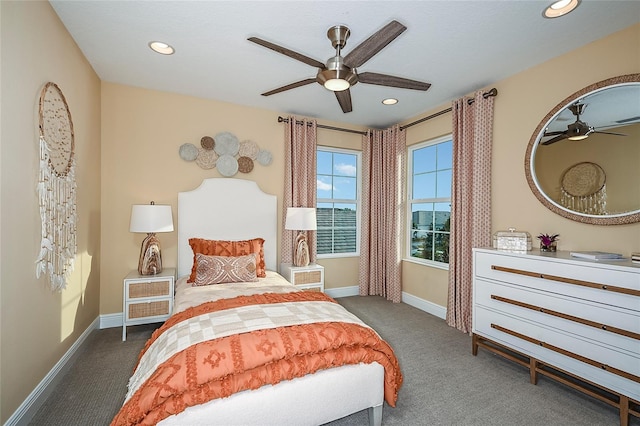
(301, 250)
(150, 262)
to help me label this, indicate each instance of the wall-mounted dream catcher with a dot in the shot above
(56, 189)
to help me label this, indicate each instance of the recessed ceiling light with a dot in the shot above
(390, 101)
(162, 48)
(560, 8)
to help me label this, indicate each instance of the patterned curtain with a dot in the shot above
(470, 200)
(299, 179)
(383, 183)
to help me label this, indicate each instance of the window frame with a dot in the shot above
(357, 201)
(411, 202)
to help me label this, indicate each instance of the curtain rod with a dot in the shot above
(322, 126)
(492, 92)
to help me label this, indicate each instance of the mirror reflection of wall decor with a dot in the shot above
(599, 125)
(56, 188)
(584, 189)
(225, 152)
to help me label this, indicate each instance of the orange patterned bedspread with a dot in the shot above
(220, 367)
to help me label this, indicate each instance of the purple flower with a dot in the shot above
(547, 239)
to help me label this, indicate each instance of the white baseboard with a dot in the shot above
(29, 407)
(110, 320)
(424, 305)
(409, 299)
(342, 291)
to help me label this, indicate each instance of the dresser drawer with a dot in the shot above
(586, 280)
(624, 361)
(594, 321)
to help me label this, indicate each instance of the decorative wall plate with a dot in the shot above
(227, 165)
(188, 152)
(226, 143)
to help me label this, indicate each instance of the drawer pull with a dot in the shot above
(565, 352)
(568, 317)
(565, 280)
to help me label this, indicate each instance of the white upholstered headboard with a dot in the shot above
(226, 209)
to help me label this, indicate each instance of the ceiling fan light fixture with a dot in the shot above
(337, 77)
(578, 137)
(161, 48)
(336, 84)
(390, 101)
(560, 8)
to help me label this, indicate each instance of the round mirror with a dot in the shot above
(583, 159)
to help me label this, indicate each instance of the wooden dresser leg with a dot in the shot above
(624, 410)
(533, 372)
(474, 344)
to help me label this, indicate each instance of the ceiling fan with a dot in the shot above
(577, 130)
(340, 73)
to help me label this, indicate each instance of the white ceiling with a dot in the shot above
(457, 46)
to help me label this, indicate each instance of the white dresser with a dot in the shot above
(559, 315)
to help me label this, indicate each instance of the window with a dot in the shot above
(429, 193)
(338, 198)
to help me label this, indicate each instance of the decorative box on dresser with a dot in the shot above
(309, 277)
(147, 298)
(574, 320)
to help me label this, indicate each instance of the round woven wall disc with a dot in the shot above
(207, 142)
(245, 164)
(206, 159)
(249, 149)
(188, 151)
(226, 143)
(227, 165)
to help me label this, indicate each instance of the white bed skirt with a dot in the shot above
(310, 400)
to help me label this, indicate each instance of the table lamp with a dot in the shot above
(301, 219)
(150, 218)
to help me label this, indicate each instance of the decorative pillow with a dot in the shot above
(228, 248)
(225, 269)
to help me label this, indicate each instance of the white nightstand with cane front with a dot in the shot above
(310, 277)
(147, 298)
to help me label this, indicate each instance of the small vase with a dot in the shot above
(549, 248)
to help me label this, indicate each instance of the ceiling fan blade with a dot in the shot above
(554, 140)
(609, 133)
(389, 80)
(344, 99)
(290, 53)
(368, 48)
(290, 86)
(554, 133)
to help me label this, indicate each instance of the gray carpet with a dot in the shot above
(443, 383)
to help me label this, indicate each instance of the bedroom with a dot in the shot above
(122, 147)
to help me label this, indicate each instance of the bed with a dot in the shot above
(344, 378)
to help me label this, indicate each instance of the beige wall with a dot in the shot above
(523, 101)
(37, 325)
(142, 131)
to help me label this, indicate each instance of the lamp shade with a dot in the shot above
(301, 219)
(151, 218)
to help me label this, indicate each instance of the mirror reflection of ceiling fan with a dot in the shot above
(577, 130)
(340, 73)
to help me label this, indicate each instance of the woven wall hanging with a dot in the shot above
(56, 189)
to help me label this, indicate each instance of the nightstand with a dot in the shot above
(309, 277)
(147, 298)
